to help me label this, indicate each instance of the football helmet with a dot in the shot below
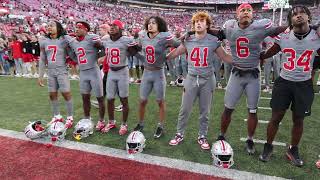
(35, 130)
(222, 154)
(135, 142)
(83, 129)
(57, 131)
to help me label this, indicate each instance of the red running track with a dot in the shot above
(29, 160)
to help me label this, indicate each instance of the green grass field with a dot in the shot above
(21, 100)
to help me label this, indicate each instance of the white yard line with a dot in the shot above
(267, 98)
(264, 141)
(260, 121)
(264, 108)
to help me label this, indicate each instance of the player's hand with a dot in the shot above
(184, 36)
(262, 60)
(40, 82)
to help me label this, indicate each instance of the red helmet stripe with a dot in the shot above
(223, 146)
(134, 134)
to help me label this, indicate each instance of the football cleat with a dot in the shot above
(56, 118)
(109, 126)
(178, 138)
(203, 142)
(100, 125)
(69, 122)
(293, 156)
(267, 152)
(123, 129)
(250, 147)
(138, 127)
(158, 133)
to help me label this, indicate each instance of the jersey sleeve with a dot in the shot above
(228, 24)
(170, 40)
(277, 38)
(69, 40)
(267, 27)
(131, 42)
(95, 39)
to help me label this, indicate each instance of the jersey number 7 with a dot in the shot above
(53, 48)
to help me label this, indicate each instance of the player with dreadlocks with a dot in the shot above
(53, 51)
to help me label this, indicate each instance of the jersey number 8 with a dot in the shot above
(113, 56)
(150, 53)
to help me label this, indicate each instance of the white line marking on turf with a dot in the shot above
(268, 98)
(149, 159)
(264, 141)
(265, 108)
(260, 121)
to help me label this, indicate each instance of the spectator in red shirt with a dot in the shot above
(104, 33)
(26, 56)
(16, 50)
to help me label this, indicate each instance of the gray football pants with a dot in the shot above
(267, 70)
(196, 87)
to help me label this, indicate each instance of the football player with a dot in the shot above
(53, 51)
(244, 36)
(294, 86)
(117, 48)
(154, 41)
(200, 81)
(86, 47)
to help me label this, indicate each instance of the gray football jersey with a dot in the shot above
(117, 51)
(55, 52)
(245, 43)
(297, 55)
(86, 51)
(201, 54)
(154, 50)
